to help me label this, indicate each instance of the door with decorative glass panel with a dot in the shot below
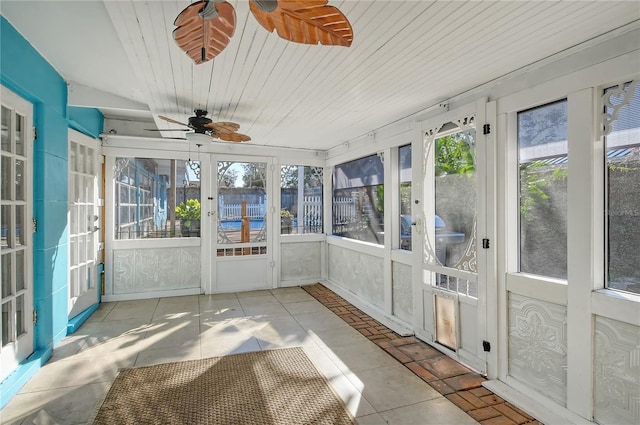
(84, 221)
(451, 308)
(242, 237)
(16, 243)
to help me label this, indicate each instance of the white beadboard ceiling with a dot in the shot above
(119, 56)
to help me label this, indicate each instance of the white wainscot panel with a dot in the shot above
(469, 329)
(402, 292)
(616, 372)
(155, 269)
(301, 261)
(359, 273)
(538, 345)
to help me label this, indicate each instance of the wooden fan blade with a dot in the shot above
(204, 29)
(231, 137)
(304, 21)
(171, 120)
(223, 127)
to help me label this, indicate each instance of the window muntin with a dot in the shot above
(358, 200)
(300, 204)
(404, 167)
(148, 204)
(622, 167)
(542, 150)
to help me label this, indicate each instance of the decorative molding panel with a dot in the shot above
(359, 273)
(616, 372)
(156, 269)
(301, 261)
(538, 345)
(402, 292)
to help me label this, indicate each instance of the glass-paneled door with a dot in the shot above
(84, 221)
(16, 247)
(452, 295)
(242, 236)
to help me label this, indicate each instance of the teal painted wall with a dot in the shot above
(86, 120)
(29, 75)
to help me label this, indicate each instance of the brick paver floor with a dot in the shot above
(459, 384)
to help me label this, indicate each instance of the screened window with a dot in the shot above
(542, 149)
(300, 199)
(404, 158)
(358, 200)
(623, 189)
(156, 198)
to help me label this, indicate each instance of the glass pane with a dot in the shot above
(73, 166)
(89, 167)
(6, 275)
(5, 217)
(623, 195)
(20, 270)
(77, 187)
(455, 200)
(81, 158)
(124, 194)
(20, 225)
(358, 200)
(7, 178)
(242, 202)
(542, 147)
(20, 315)
(20, 134)
(19, 180)
(300, 204)
(146, 211)
(6, 129)
(73, 251)
(404, 158)
(7, 337)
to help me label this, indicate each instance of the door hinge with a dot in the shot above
(486, 346)
(272, 264)
(35, 133)
(485, 243)
(35, 224)
(486, 129)
(35, 317)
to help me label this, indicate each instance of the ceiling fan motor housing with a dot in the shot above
(198, 122)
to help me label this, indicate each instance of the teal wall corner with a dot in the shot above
(88, 121)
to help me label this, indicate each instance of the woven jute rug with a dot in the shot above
(261, 388)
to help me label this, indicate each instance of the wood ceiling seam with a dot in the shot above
(362, 72)
(121, 21)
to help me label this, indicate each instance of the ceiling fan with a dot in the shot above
(200, 124)
(204, 28)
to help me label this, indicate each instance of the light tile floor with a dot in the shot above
(375, 387)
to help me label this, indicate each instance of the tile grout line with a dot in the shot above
(470, 396)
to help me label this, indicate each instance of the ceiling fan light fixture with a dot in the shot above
(198, 138)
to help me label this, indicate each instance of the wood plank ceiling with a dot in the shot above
(406, 56)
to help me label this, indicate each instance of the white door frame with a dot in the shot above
(424, 294)
(245, 262)
(20, 347)
(80, 302)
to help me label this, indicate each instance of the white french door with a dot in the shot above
(84, 221)
(16, 243)
(242, 241)
(452, 269)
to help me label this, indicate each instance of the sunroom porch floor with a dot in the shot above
(380, 379)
